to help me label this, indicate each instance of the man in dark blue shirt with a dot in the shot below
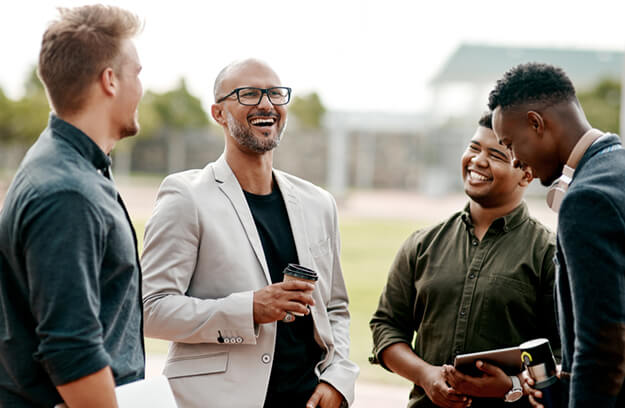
(536, 114)
(70, 302)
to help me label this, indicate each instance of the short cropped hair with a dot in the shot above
(77, 47)
(486, 120)
(532, 83)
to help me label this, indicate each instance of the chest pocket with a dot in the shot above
(509, 303)
(321, 248)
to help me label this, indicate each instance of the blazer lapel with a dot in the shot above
(230, 186)
(296, 218)
(299, 227)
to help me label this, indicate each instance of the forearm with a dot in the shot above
(592, 247)
(96, 390)
(400, 359)
(598, 366)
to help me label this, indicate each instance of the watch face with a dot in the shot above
(514, 395)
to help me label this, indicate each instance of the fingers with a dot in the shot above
(296, 291)
(272, 302)
(533, 402)
(451, 400)
(314, 399)
(297, 308)
(455, 378)
(297, 285)
(445, 396)
(528, 383)
(489, 369)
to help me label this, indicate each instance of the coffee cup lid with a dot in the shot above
(299, 271)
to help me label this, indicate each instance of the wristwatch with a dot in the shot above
(516, 392)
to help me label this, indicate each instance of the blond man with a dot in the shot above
(70, 308)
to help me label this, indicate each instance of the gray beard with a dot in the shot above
(245, 137)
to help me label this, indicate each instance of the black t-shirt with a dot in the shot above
(293, 378)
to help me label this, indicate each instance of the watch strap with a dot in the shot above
(516, 392)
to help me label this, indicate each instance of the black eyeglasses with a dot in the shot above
(250, 96)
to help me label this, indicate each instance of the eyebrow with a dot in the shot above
(491, 149)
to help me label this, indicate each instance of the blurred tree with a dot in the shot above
(171, 112)
(22, 121)
(602, 104)
(32, 111)
(176, 109)
(308, 110)
(6, 113)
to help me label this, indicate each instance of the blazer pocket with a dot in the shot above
(196, 365)
(320, 248)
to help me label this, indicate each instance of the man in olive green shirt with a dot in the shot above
(480, 280)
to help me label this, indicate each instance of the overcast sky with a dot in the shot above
(358, 55)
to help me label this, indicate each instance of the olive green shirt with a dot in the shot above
(461, 295)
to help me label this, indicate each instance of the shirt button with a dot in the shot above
(471, 276)
(457, 351)
(474, 242)
(266, 358)
(462, 313)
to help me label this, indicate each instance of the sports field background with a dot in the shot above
(373, 224)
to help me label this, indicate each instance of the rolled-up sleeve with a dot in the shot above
(393, 320)
(64, 243)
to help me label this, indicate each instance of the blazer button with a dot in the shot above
(227, 340)
(239, 340)
(266, 358)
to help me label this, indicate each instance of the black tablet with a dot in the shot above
(508, 359)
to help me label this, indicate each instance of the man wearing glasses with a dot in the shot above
(215, 249)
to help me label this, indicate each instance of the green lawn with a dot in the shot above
(368, 248)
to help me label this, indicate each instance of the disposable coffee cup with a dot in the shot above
(299, 272)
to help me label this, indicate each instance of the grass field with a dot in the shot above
(368, 248)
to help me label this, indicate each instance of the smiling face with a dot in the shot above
(257, 128)
(523, 134)
(487, 171)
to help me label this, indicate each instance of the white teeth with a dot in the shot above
(259, 121)
(477, 177)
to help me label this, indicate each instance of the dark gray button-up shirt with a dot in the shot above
(70, 279)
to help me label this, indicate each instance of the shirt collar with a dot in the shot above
(506, 223)
(75, 137)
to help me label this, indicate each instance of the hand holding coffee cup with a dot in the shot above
(301, 273)
(273, 302)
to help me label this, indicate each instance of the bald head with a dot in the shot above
(237, 69)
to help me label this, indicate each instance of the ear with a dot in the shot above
(536, 122)
(108, 82)
(218, 113)
(528, 175)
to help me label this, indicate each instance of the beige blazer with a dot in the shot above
(203, 259)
